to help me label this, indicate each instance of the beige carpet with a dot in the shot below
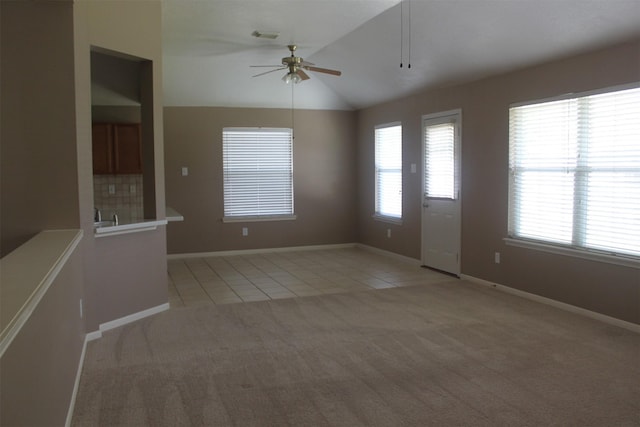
(439, 354)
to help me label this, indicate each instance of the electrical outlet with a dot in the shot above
(112, 189)
(245, 231)
(185, 171)
(496, 257)
(132, 189)
(388, 233)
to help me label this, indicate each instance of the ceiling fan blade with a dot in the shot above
(302, 74)
(323, 70)
(270, 71)
(306, 63)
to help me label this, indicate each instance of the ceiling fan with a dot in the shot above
(295, 67)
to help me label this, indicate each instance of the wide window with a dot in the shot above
(575, 172)
(258, 173)
(388, 171)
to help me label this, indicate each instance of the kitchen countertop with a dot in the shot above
(172, 215)
(135, 227)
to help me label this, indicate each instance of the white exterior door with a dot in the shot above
(441, 211)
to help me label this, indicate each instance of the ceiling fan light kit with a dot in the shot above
(295, 67)
(291, 78)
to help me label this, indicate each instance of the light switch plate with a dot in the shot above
(185, 171)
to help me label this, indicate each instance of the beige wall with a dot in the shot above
(38, 370)
(324, 179)
(46, 178)
(124, 274)
(115, 114)
(39, 182)
(605, 288)
(38, 174)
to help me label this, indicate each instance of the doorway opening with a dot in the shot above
(122, 137)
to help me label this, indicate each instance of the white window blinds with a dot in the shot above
(439, 161)
(575, 172)
(388, 170)
(258, 172)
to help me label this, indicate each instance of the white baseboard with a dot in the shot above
(557, 304)
(261, 251)
(93, 335)
(126, 320)
(296, 248)
(393, 255)
(133, 317)
(98, 334)
(76, 384)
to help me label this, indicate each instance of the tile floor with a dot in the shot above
(259, 277)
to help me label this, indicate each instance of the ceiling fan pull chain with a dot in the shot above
(401, 32)
(409, 66)
(293, 132)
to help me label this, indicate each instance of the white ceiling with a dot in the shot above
(208, 46)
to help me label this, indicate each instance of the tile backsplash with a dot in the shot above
(126, 199)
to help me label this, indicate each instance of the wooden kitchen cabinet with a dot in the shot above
(117, 148)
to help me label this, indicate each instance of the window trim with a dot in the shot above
(259, 218)
(377, 215)
(591, 254)
(574, 252)
(387, 218)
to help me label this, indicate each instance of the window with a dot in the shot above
(441, 143)
(574, 169)
(258, 173)
(388, 171)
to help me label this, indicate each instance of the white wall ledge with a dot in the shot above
(27, 273)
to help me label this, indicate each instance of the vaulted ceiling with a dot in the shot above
(208, 45)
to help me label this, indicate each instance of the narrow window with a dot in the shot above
(388, 171)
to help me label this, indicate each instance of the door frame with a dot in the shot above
(457, 113)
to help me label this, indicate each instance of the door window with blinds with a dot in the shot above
(574, 168)
(388, 171)
(258, 173)
(440, 145)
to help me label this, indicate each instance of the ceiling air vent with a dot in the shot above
(265, 34)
